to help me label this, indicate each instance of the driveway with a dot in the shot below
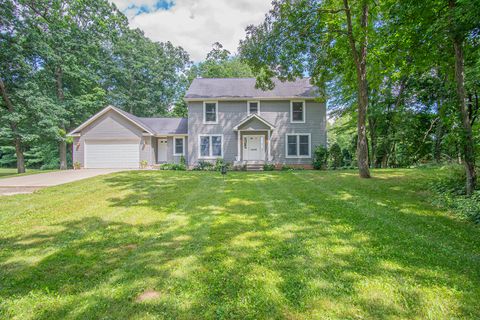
(30, 183)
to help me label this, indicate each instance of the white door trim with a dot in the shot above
(261, 146)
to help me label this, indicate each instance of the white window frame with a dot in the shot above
(304, 111)
(204, 112)
(210, 156)
(248, 107)
(298, 145)
(175, 146)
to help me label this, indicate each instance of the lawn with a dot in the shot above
(279, 245)
(12, 172)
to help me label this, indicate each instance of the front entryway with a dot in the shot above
(162, 150)
(254, 147)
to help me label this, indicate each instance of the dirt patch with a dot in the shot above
(148, 295)
(10, 191)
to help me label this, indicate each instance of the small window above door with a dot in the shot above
(253, 107)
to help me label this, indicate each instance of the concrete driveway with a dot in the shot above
(30, 183)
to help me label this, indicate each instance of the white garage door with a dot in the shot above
(112, 154)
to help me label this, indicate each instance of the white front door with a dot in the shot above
(254, 147)
(162, 150)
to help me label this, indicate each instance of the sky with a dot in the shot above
(195, 24)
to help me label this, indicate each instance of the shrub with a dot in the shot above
(268, 167)
(77, 165)
(450, 193)
(204, 166)
(320, 156)
(336, 156)
(347, 158)
(173, 166)
(183, 161)
(143, 164)
(286, 168)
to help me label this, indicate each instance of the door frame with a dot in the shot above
(263, 153)
(158, 150)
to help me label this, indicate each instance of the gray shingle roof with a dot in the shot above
(160, 125)
(212, 88)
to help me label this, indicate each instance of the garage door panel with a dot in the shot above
(112, 154)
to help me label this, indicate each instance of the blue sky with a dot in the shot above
(195, 24)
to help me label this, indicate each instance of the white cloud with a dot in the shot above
(197, 24)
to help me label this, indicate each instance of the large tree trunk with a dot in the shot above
(13, 127)
(20, 157)
(360, 59)
(468, 146)
(62, 144)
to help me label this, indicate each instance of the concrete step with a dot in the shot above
(254, 167)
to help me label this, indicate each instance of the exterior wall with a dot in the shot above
(112, 126)
(230, 113)
(170, 157)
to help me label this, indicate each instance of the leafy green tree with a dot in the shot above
(326, 39)
(336, 156)
(320, 158)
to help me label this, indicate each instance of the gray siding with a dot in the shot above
(230, 113)
(112, 126)
(170, 157)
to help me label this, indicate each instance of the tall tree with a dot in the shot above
(326, 39)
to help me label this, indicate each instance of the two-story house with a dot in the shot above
(227, 118)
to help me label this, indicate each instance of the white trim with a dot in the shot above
(251, 117)
(248, 106)
(298, 145)
(216, 112)
(175, 146)
(250, 98)
(210, 146)
(269, 156)
(304, 113)
(102, 112)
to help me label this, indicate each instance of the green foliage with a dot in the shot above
(221, 64)
(173, 166)
(204, 166)
(336, 156)
(449, 188)
(183, 161)
(268, 167)
(143, 164)
(320, 158)
(7, 156)
(347, 158)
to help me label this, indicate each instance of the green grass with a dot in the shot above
(277, 245)
(12, 172)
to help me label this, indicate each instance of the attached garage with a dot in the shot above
(112, 154)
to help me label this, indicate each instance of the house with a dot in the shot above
(227, 118)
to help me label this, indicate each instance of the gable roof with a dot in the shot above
(254, 116)
(153, 126)
(244, 88)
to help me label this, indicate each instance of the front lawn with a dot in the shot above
(279, 245)
(12, 172)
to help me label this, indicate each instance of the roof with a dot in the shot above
(237, 88)
(254, 116)
(154, 126)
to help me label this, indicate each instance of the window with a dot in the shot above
(298, 145)
(297, 111)
(210, 146)
(178, 146)
(253, 107)
(210, 112)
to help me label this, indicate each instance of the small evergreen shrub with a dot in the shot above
(268, 167)
(320, 157)
(336, 156)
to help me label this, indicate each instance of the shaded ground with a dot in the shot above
(12, 172)
(280, 245)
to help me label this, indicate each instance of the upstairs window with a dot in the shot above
(253, 107)
(179, 146)
(297, 111)
(298, 145)
(210, 112)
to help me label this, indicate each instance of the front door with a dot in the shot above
(254, 147)
(162, 150)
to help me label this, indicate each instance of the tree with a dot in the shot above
(336, 156)
(220, 63)
(328, 40)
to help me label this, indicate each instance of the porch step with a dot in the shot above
(254, 167)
